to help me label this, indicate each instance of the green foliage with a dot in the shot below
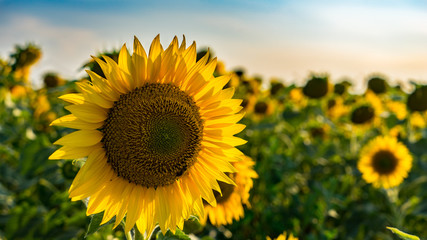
(179, 235)
(306, 160)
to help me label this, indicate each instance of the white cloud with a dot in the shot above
(64, 49)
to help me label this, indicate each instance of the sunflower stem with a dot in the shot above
(154, 232)
(129, 235)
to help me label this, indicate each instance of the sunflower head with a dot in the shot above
(275, 87)
(232, 197)
(377, 84)
(19, 91)
(336, 108)
(158, 133)
(240, 72)
(363, 114)
(316, 87)
(248, 103)
(417, 100)
(261, 107)
(384, 162)
(397, 132)
(41, 105)
(418, 119)
(341, 87)
(25, 56)
(52, 80)
(320, 132)
(296, 96)
(397, 108)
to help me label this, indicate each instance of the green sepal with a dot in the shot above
(95, 223)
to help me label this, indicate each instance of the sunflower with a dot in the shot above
(248, 103)
(41, 104)
(297, 98)
(397, 131)
(384, 162)
(320, 131)
(276, 86)
(19, 91)
(375, 102)
(363, 115)
(417, 100)
(52, 79)
(158, 135)
(398, 109)
(336, 108)
(317, 87)
(265, 107)
(418, 119)
(23, 59)
(377, 84)
(284, 236)
(229, 203)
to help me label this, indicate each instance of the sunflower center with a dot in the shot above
(362, 115)
(153, 134)
(384, 162)
(261, 107)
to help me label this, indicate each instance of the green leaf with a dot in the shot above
(179, 235)
(95, 222)
(403, 235)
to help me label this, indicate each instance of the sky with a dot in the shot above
(283, 39)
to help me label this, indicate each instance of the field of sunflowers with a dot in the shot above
(322, 162)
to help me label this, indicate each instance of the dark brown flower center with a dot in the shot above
(384, 162)
(417, 100)
(378, 85)
(153, 134)
(261, 107)
(362, 115)
(316, 87)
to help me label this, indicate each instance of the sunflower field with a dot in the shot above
(265, 160)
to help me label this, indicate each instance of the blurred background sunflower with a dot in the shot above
(385, 162)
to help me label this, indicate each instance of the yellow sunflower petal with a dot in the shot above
(74, 98)
(69, 152)
(82, 138)
(88, 112)
(72, 121)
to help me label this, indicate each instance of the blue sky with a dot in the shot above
(284, 39)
